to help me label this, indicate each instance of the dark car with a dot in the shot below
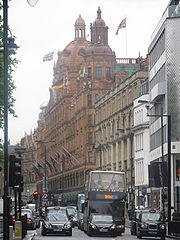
(72, 215)
(150, 224)
(31, 220)
(101, 225)
(135, 219)
(56, 223)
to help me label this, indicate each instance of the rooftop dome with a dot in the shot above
(80, 22)
(99, 21)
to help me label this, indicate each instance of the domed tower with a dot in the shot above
(100, 58)
(99, 31)
(71, 60)
(80, 28)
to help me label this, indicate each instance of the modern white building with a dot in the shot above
(164, 92)
(141, 149)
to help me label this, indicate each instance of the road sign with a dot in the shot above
(45, 196)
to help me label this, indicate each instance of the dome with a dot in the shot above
(73, 53)
(80, 22)
(99, 21)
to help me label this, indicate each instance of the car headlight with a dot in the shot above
(143, 225)
(162, 226)
(48, 225)
(120, 226)
(92, 225)
(67, 225)
(113, 226)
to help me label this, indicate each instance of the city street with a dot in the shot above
(78, 235)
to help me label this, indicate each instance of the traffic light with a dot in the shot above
(35, 195)
(14, 171)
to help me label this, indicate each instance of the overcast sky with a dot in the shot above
(49, 26)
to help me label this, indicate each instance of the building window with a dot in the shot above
(90, 156)
(89, 72)
(98, 72)
(89, 120)
(90, 137)
(96, 97)
(108, 73)
(89, 100)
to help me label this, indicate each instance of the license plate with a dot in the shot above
(153, 232)
(57, 230)
(103, 230)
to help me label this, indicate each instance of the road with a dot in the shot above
(80, 235)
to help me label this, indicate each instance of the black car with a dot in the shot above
(135, 219)
(56, 223)
(101, 225)
(150, 224)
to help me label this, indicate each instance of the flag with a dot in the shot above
(58, 85)
(63, 163)
(41, 170)
(48, 57)
(49, 166)
(36, 170)
(121, 25)
(53, 164)
(82, 71)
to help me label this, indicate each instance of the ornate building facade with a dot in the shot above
(115, 121)
(83, 73)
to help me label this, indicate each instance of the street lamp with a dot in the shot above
(45, 189)
(7, 44)
(161, 115)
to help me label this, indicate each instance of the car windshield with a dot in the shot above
(100, 218)
(150, 216)
(71, 211)
(56, 217)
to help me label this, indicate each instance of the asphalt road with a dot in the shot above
(80, 235)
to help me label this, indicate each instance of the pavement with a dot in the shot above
(30, 235)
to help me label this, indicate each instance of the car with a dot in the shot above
(101, 225)
(56, 223)
(31, 220)
(135, 219)
(55, 209)
(72, 215)
(151, 224)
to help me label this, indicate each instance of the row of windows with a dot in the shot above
(159, 77)
(155, 139)
(139, 172)
(99, 72)
(139, 142)
(157, 50)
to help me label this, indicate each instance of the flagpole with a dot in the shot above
(126, 36)
(126, 42)
(70, 154)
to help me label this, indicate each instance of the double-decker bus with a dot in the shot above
(105, 194)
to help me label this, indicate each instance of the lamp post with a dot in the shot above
(7, 44)
(45, 189)
(161, 115)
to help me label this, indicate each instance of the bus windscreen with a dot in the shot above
(101, 181)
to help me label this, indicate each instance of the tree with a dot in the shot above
(12, 64)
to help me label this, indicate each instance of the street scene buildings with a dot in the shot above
(108, 113)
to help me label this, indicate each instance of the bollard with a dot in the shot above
(18, 230)
(10, 232)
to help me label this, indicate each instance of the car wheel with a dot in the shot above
(88, 232)
(43, 232)
(69, 234)
(139, 235)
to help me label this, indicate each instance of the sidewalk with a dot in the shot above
(30, 235)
